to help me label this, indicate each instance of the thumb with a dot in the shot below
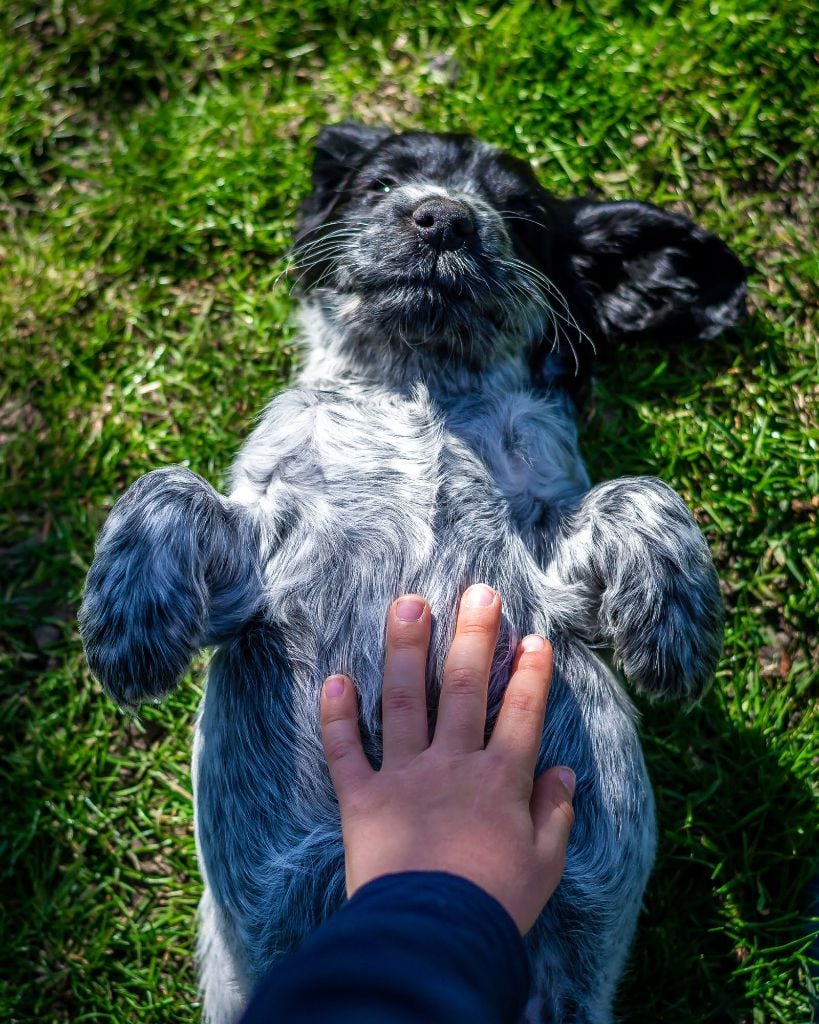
(553, 814)
(341, 736)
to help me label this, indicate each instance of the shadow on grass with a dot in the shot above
(730, 888)
(727, 911)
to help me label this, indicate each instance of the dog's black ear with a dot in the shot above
(645, 271)
(340, 149)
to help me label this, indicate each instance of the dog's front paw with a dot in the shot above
(668, 641)
(637, 550)
(661, 606)
(146, 601)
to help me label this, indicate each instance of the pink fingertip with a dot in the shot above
(532, 643)
(334, 686)
(478, 596)
(567, 777)
(409, 609)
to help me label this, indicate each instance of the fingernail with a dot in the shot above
(334, 686)
(567, 777)
(533, 642)
(478, 596)
(409, 609)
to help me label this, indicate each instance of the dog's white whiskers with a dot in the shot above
(515, 215)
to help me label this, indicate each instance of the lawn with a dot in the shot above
(151, 158)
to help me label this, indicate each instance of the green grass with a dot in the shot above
(151, 157)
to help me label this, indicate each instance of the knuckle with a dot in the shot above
(478, 628)
(461, 680)
(522, 702)
(535, 663)
(339, 749)
(334, 718)
(356, 805)
(408, 636)
(503, 770)
(398, 699)
(446, 764)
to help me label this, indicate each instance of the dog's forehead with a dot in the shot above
(447, 158)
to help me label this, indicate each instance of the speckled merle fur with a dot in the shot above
(450, 309)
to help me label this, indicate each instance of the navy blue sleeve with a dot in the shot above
(413, 948)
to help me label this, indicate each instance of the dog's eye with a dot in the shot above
(382, 185)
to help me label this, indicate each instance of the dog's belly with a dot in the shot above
(368, 507)
(364, 500)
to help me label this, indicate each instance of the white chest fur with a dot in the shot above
(356, 448)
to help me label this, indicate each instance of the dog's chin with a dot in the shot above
(426, 298)
(419, 296)
(419, 310)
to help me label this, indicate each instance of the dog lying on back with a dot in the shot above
(450, 307)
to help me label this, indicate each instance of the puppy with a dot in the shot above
(450, 310)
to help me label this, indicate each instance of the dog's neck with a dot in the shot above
(338, 361)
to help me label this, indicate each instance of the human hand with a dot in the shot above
(453, 805)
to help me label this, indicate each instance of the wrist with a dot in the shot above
(447, 892)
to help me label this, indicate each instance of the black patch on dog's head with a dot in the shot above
(444, 242)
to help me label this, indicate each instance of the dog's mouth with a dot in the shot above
(442, 283)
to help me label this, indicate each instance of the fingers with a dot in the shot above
(553, 815)
(403, 697)
(341, 737)
(517, 733)
(462, 707)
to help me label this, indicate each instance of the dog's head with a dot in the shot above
(441, 242)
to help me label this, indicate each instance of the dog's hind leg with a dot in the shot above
(223, 985)
(580, 951)
(578, 946)
(176, 568)
(652, 591)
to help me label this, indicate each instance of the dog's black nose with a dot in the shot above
(443, 223)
